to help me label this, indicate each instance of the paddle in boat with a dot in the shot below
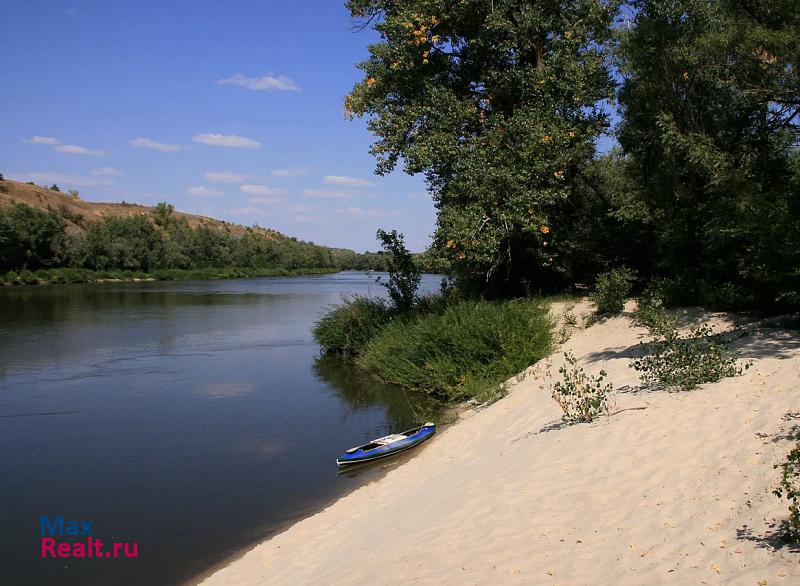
(386, 446)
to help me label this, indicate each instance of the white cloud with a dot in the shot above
(264, 84)
(349, 181)
(327, 193)
(107, 171)
(224, 177)
(146, 143)
(248, 211)
(262, 190)
(227, 141)
(357, 212)
(74, 149)
(291, 172)
(65, 180)
(42, 140)
(202, 190)
(301, 209)
(303, 219)
(265, 200)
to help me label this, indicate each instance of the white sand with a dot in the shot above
(678, 492)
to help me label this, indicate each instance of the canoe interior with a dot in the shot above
(386, 446)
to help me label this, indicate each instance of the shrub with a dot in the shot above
(463, 351)
(347, 328)
(404, 274)
(789, 487)
(650, 313)
(611, 290)
(582, 397)
(683, 363)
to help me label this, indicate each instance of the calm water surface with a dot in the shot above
(194, 418)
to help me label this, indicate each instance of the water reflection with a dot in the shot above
(362, 391)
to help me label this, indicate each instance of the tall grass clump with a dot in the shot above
(463, 351)
(610, 291)
(345, 329)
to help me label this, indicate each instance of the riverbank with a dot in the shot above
(673, 487)
(71, 276)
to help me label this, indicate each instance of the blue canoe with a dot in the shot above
(386, 446)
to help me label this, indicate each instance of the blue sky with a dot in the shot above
(228, 109)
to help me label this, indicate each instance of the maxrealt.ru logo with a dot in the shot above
(75, 538)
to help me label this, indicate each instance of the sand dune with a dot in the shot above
(674, 488)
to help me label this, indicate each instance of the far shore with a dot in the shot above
(671, 488)
(76, 276)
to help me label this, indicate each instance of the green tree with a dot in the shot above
(162, 214)
(711, 105)
(404, 273)
(29, 238)
(496, 103)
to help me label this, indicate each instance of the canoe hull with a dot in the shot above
(359, 455)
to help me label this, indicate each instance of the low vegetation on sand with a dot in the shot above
(682, 362)
(611, 290)
(581, 396)
(789, 488)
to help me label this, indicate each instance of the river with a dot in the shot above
(190, 418)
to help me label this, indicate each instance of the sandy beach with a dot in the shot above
(672, 488)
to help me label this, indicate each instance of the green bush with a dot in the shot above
(347, 328)
(789, 487)
(651, 314)
(683, 363)
(463, 351)
(611, 290)
(582, 397)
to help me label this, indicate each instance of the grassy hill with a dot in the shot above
(50, 236)
(14, 192)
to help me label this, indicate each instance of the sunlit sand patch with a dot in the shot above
(225, 390)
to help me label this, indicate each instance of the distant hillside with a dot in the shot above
(73, 240)
(14, 192)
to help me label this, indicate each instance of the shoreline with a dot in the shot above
(72, 276)
(510, 495)
(375, 472)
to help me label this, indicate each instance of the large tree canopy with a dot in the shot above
(711, 107)
(498, 104)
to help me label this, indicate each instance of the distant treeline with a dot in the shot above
(32, 239)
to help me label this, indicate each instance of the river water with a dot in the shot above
(189, 418)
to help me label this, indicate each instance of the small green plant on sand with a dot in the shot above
(582, 397)
(651, 314)
(684, 362)
(789, 487)
(611, 290)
